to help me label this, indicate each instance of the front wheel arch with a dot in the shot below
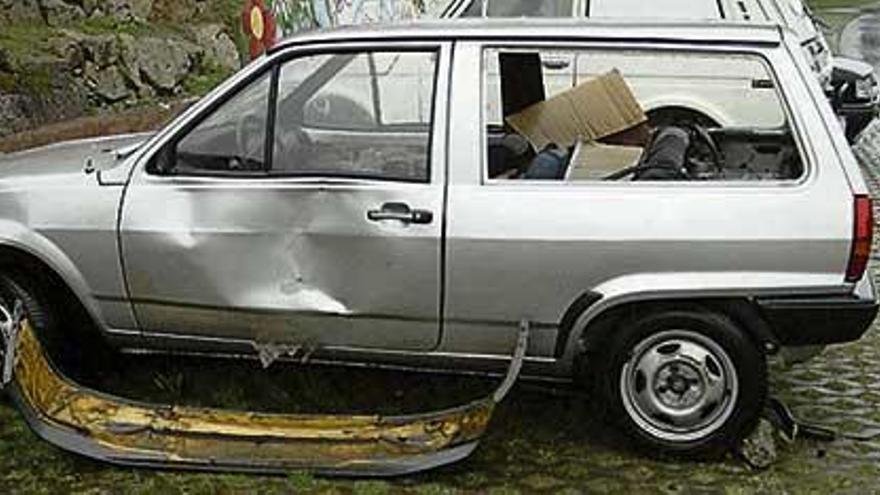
(48, 287)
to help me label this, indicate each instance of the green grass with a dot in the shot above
(206, 78)
(25, 40)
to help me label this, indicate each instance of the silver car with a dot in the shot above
(407, 195)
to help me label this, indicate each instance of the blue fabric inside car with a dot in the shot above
(550, 164)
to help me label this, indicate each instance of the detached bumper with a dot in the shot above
(822, 320)
(130, 433)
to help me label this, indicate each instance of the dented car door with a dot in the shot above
(304, 207)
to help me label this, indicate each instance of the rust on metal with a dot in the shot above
(130, 433)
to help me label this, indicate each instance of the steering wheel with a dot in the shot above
(702, 148)
(701, 160)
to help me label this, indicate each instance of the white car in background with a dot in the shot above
(850, 85)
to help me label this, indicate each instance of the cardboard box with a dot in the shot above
(590, 111)
(595, 161)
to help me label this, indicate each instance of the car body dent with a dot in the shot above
(307, 256)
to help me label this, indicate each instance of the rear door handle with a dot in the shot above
(400, 212)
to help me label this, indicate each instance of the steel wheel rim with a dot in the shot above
(6, 315)
(679, 386)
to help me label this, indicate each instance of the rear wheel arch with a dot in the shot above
(594, 335)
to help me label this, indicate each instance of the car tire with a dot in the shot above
(686, 382)
(36, 309)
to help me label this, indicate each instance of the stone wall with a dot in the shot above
(60, 12)
(65, 58)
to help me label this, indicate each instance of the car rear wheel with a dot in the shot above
(686, 382)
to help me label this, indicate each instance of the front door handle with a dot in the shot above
(400, 212)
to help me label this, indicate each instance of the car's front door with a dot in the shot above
(306, 208)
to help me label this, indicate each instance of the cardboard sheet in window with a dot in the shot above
(590, 111)
(595, 161)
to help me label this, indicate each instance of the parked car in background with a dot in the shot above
(851, 85)
(365, 193)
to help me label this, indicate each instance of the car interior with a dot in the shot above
(335, 115)
(682, 148)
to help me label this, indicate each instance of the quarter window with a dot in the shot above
(634, 116)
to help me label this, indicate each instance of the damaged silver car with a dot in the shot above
(407, 195)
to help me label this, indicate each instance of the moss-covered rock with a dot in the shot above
(116, 53)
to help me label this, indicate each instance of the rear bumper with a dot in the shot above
(822, 320)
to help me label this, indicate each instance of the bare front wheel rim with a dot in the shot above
(6, 316)
(679, 386)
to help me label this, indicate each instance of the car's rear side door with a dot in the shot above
(330, 236)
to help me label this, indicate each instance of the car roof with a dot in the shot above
(545, 28)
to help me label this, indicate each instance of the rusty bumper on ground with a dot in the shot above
(129, 433)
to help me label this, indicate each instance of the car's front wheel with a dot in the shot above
(687, 382)
(12, 290)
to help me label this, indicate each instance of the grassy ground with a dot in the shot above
(539, 441)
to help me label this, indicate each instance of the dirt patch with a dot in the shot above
(131, 121)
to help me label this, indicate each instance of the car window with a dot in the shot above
(230, 140)
(520, 8)
(634, 116)
(355, 115)
(656, 9)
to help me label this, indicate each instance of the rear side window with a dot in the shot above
(355, 115)
(635, 116)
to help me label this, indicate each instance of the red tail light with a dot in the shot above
(863, 233)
